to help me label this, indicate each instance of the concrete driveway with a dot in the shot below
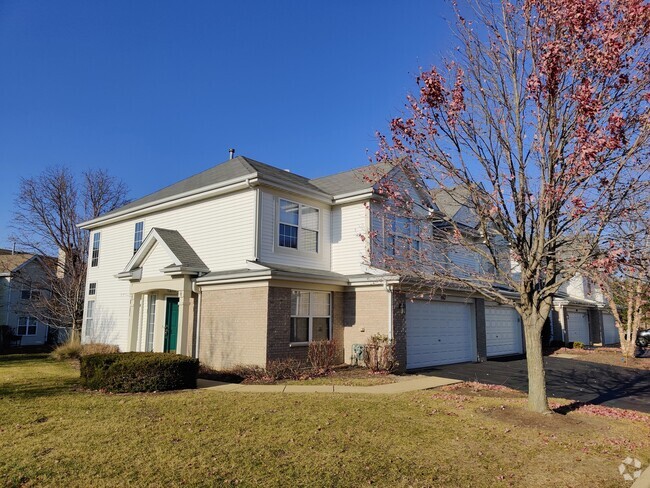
(565, 378)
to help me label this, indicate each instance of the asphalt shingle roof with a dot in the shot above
(234, 168)
(9, 262)
(181, 249)
(352, 180)
(241, 166)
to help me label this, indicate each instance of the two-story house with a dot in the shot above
(21, 283)
(246, 263)
(581, 314)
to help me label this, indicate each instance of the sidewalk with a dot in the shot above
(418, 382)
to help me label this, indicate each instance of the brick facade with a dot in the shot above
(234, 327)
(365, 313)
(399, 328)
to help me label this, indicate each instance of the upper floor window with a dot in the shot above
(30, 294)
(137, 237)
(92, 288)
(402, 235)
(94, 260)
(299, 226)
(26, 326)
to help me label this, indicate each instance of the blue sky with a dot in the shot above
(155, 91)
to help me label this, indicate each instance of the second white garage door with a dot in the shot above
(503, 331)
(579, 327)
(610, 332)
(438, 333)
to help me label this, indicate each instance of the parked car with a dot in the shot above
(643, 338)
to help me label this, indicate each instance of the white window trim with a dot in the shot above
(297, 250)
(29, 322)
(311, 317)
(91, 317)
(94, 262)
(391, 235)
(142, 236)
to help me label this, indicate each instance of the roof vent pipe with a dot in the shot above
(232, 153)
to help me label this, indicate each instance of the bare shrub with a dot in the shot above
(285, 369)
(277, 369)
(75, 350)
(379, 354)
(322, 355)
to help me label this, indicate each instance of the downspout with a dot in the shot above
(255, 221)
(389, 290)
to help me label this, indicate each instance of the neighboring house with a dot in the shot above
(581, 314)
(21, 282)
(245, 263)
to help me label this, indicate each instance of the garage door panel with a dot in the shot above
(503, 331)
(579, 327)
(610, 332)
(438, 333)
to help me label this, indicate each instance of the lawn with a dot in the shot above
(604, 355)
(53, 434)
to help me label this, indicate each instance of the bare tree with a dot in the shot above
(48, 209)
(623, 269)
(534, 130)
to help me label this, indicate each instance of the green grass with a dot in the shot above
(53, 434)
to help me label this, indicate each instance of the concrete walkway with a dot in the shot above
(410, 383)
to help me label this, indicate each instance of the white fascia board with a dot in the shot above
(217, 189)
(300, 190)
(356, 196)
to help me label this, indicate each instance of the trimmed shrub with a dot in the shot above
(75, 350)
(322, 355)
(133, 372)
(379, 354)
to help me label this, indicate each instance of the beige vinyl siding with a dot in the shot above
(220, 230)
(156, 259)
(349, 251)
(270, 252)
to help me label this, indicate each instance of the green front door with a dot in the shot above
(171, 324)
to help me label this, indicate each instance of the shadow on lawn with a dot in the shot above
(10, 358)
(37, 383)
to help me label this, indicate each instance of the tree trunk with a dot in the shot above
(537, 400)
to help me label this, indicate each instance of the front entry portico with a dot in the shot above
(161, 312)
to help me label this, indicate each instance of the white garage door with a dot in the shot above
(579, 327)
(503, 331)
(610, 332)
(438, 333)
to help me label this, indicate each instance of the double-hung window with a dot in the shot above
(402, 235)
(137, 236)
(90, 310)
(26, 326)
(299, 226)
(94, 259)
(310, 316)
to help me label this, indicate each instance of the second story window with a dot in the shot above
(299, 226)
(137, 237)
(26, 326)
(94, 260)
(92, 288)
(402, 235)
